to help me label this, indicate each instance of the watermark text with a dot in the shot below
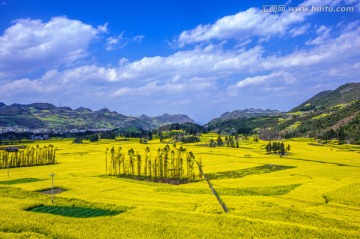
(324, 8)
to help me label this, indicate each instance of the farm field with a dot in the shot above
(314, 192)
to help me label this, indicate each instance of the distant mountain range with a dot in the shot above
(246, 113)
(44, 115)
(326, 115)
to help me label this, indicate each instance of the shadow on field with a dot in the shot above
(319, 161)
(249, 191)
(78, 212)
(20, 180)
(267, 168)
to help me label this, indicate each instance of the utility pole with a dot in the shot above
(52, 186)
(106, 160)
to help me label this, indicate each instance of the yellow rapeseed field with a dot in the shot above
(313, 192)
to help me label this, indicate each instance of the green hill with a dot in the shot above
(325, 99)
(328, 115)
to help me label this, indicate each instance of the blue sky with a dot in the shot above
(199, 58)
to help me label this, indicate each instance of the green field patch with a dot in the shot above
(56, 190)
(320, 116)
(11, 192)
(267, 168)
(319, 161)
(294, 126)
(16, 193)
(316, 144)
(249, 191)
(257, 191)
(20, 180)
(78, 212)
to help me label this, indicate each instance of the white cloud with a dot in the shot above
(253, 23)
(120, 41)
(166, 88)
(30, 45)
(212, 62)
(323, 34)
(26, 85)
(76, 79)
(117, 42)
(149, 88)
(89, 73)
(284, 77)
(297, 31)
(211, 68)
(249, 23)
(206, 67)
(138, 38)
(103, 28)
(326, 54)
(203, 74)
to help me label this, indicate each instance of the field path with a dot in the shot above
(213, 189)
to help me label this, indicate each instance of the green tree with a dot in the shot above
(237, 140)
(138, 160)
(219, 141)
(342, 135)
(282, 149)
(212, 143)
(77, 140)
(268, 147)
(94, 137)
(131, 160)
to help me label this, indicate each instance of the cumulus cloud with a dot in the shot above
(75, 79)
(30, 45)
(165, 88)
(209, 62)
(327, 53)
(149, 88)
(253, 22)
(211, 68)
(209, 72)
(214, 63)
(26, 85)
(89, 73)
(284, 77)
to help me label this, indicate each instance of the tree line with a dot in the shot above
(277, 147)
(229, 141)
(29, 156)
(170, 164)
(178, 136)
